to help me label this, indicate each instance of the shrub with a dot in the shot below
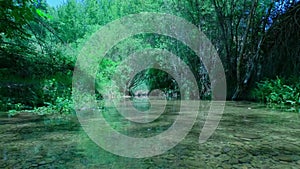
(279, 91)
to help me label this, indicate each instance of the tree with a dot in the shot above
(243, 27)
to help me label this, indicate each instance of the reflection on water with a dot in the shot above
(248, 136)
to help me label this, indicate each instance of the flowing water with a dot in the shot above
(248, 136)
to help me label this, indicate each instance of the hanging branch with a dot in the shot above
(50, 29)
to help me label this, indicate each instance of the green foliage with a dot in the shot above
(54, 96)
(39, 45)
(15, 109)
(14, 15)
(63, 106)
(43, 14)
(27, 95)
(279, 92)
(57, 97)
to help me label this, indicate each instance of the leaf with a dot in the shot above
(43, 14)
(40, 13)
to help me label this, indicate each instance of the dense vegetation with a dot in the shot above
(279, 92)
(256, 40)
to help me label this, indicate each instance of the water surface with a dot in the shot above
(248, 136)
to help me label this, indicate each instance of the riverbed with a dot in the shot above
(249, 135)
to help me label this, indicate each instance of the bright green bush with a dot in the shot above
(279, 92)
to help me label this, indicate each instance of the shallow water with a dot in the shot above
(248, 136)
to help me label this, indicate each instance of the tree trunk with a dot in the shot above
(240, 85)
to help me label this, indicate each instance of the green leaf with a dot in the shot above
(43, 14)
(40, 13)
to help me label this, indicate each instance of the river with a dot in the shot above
(249, 135)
